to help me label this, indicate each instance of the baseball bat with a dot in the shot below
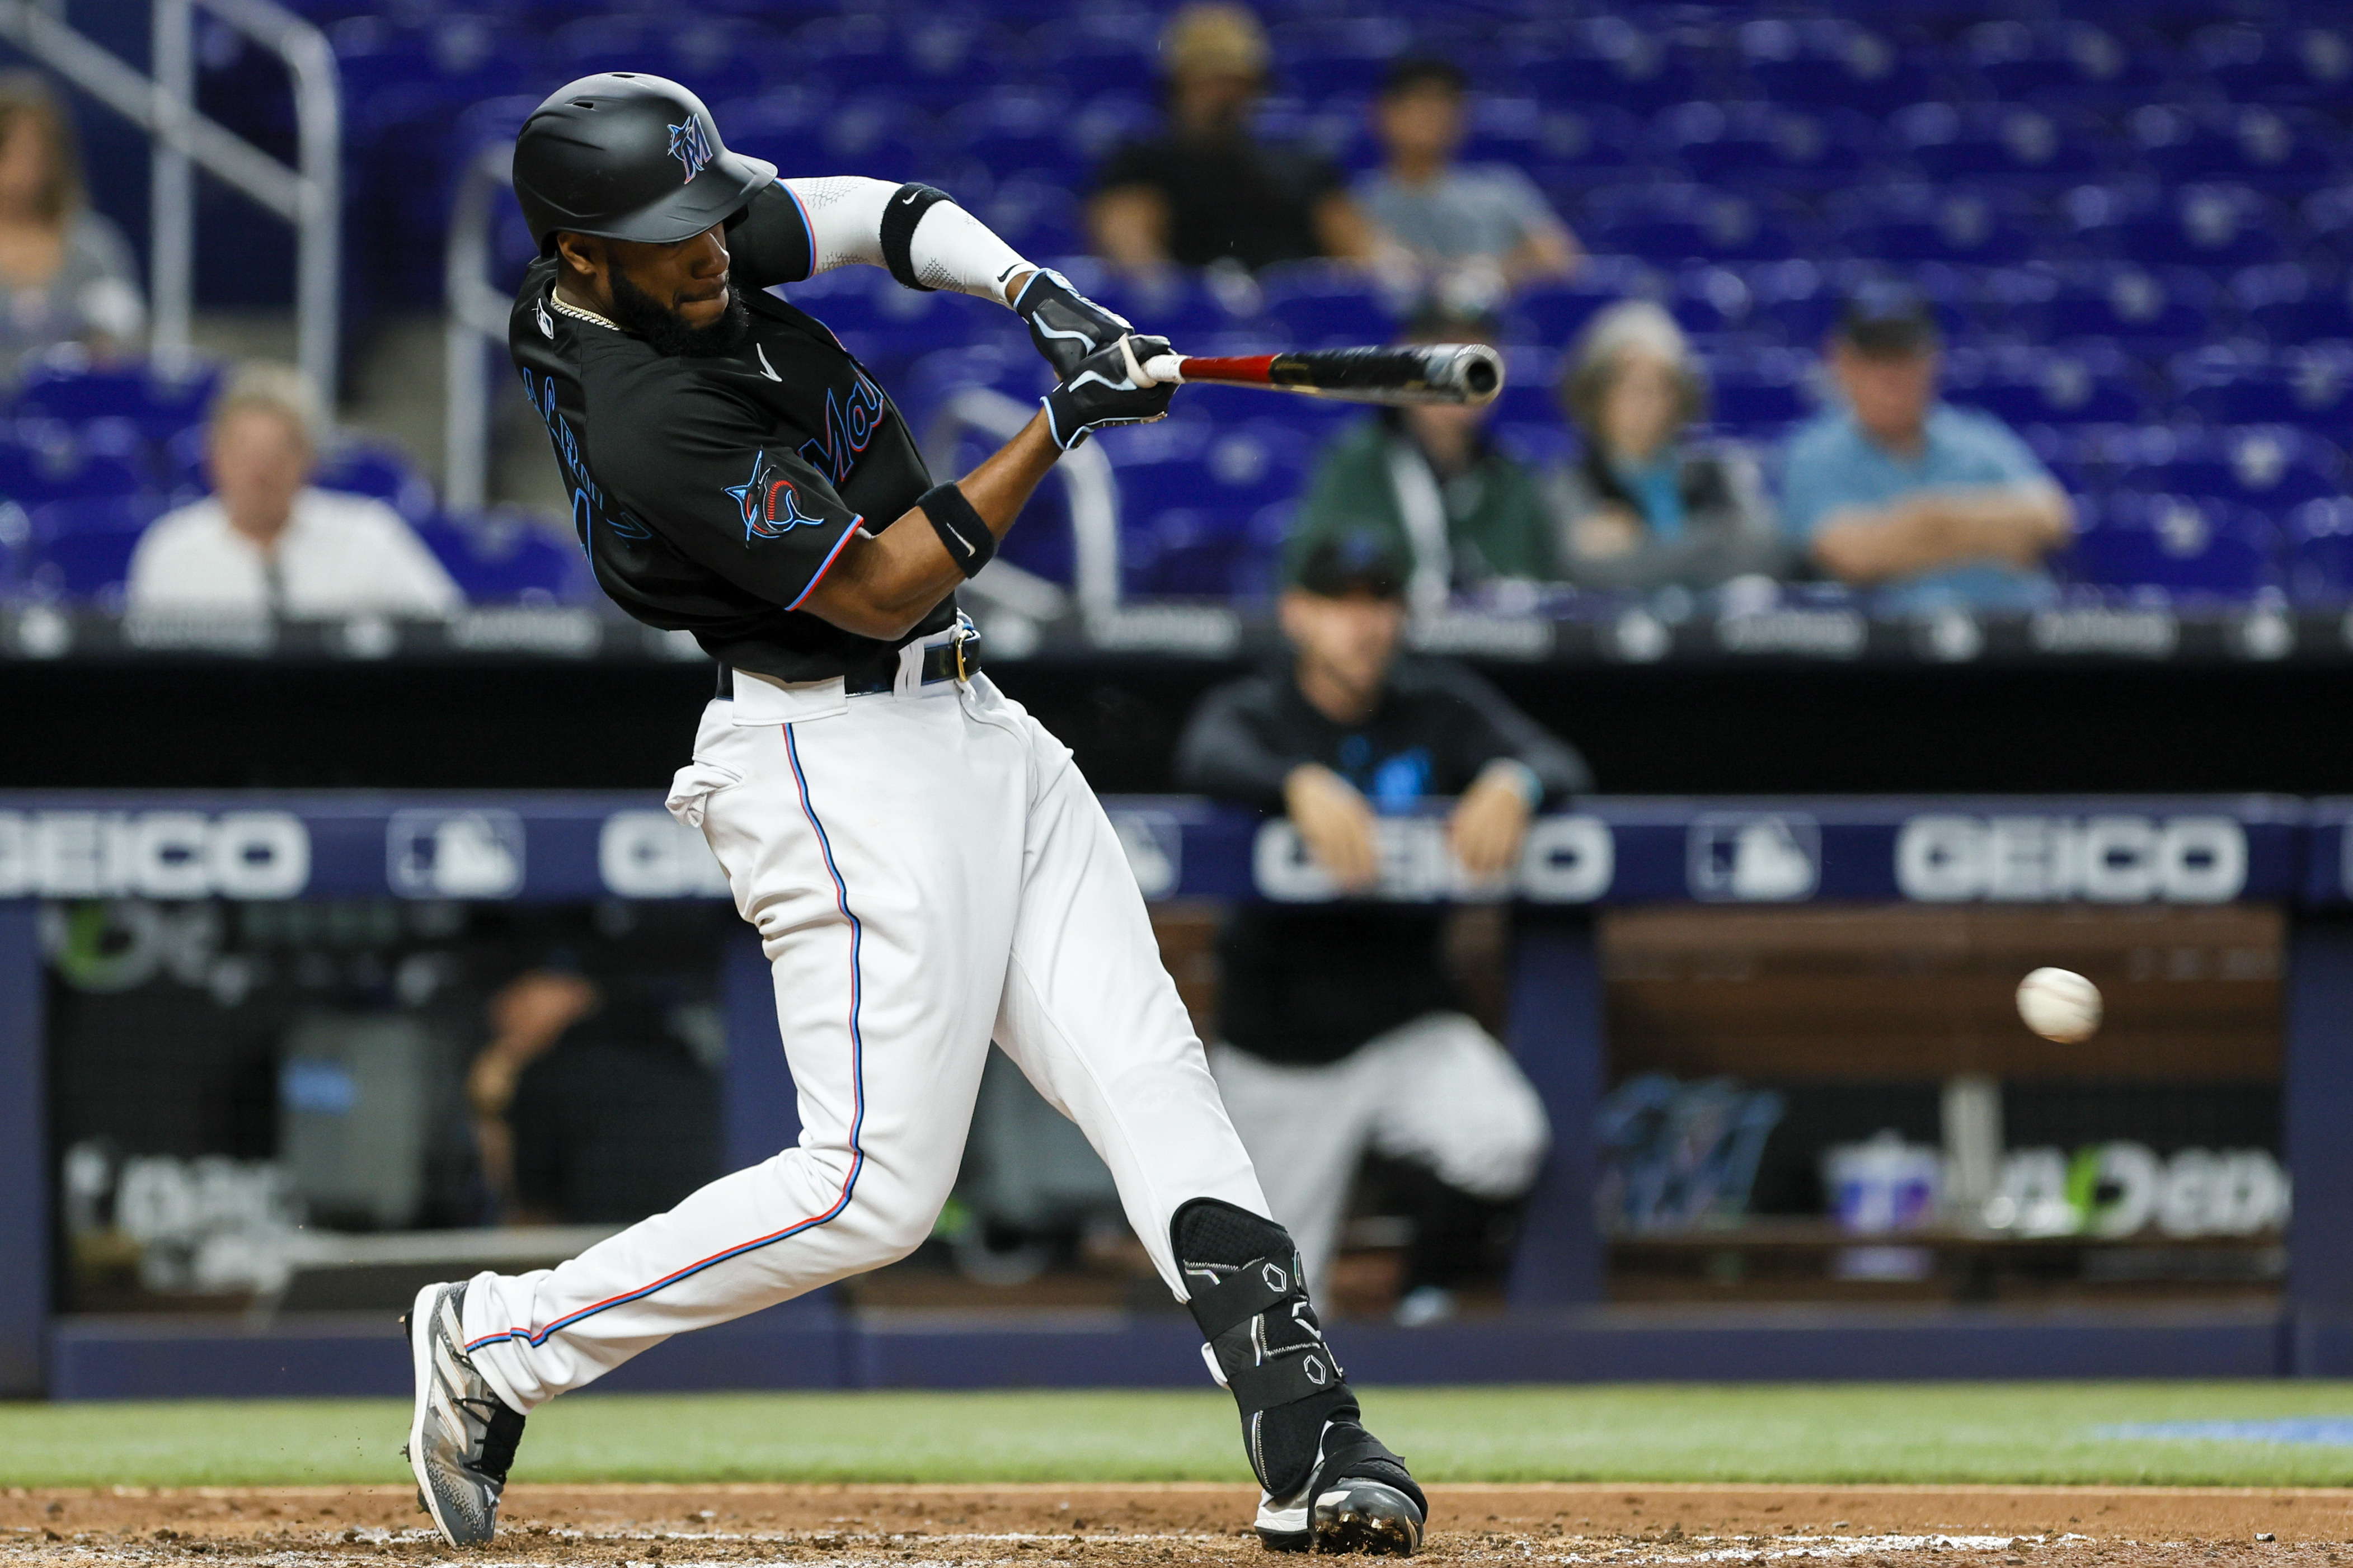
(1416, 372)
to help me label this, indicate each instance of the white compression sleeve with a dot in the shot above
(951, 249)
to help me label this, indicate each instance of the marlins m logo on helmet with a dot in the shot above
(690, 146)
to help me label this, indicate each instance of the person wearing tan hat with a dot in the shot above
(1207, 191)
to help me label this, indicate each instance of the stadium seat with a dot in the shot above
(2250, 143)
(2082, 385)
(80, 550)
(1761, 393)
(1830, 61)
(2309, 387)
(2275, 468)
(508, 558)
(2198, 226)
(2018, 145)
(1612, 60)
(1321, 308)
(2274, 64)
(44, 460)
(1907, 224)
(67, 388)
(2065, 60)
(2152, 312)
(2319, 541)
(1553, 314)
(2292, 306)
(383, 472)
(1732, 144)
(2194, 547)
(1664, 224)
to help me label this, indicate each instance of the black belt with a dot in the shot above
(955, 660)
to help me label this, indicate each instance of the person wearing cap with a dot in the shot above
(1427, 481)
(1341, 1029)
(1644, 506)
(1486, 224)
(1208, 192)
(1900, 491)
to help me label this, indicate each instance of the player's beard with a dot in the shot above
(637, 311)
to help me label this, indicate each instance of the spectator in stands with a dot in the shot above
(1642, 507)
(1896, 490)
(1342, 1027)
(1208, 192)
(65, 273)
(1427, 481)
(1472, 231)
(266, 541)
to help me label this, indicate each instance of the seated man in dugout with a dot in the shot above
(1342, 1027)
(1899, 490)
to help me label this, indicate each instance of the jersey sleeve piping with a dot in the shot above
(808, 231)
(826, 564)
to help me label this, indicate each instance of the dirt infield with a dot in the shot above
(1117, 1527)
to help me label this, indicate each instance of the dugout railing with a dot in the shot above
(2120, 852)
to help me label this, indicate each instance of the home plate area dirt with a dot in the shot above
(1117, 1527)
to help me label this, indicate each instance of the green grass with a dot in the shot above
(1878, 1432)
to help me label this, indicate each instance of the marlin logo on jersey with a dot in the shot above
(768, 502)
(849, 426)
(690, 146)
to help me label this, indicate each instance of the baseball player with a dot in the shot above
(926, 869)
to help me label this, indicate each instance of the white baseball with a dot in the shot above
(2060, 1005)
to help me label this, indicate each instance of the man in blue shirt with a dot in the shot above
(1938, 505)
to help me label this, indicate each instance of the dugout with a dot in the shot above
(1625, 910)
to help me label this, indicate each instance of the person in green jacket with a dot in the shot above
(1427, 482)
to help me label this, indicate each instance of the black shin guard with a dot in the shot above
(1242, 1273)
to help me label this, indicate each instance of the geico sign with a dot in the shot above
(2105, 859)
(1565, 860)
(153, 854)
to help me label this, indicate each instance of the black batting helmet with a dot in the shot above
(627, 156)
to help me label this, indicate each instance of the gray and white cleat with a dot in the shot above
(1358, 1498)
(462, 1435)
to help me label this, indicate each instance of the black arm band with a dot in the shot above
(969, 543)
(907, 204)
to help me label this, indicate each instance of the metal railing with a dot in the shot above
(309, 195)
(479, 312)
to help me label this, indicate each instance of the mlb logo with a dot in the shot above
(454, 854)
(1755, 857)
(1155, 844)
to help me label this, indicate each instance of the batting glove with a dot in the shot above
(1065, 324)
(1108, 387)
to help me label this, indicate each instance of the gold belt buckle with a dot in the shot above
(965, 634)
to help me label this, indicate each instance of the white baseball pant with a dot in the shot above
(1438, 1089)
(926, 869)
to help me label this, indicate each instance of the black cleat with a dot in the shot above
(1358, 1498)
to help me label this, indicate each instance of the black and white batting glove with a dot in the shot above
(1108, 387)
(1065, 324)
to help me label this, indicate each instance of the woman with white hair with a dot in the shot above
(267, 541)
(1643, 507)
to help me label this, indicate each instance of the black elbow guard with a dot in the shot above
(908, 205)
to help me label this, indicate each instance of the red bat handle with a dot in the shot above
(1248, 370)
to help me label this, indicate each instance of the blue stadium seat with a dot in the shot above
(1612, 60)
(718, 58)
(1732, 145)
(1906, 224)
(1761, 393)
(2080, 385)
(507, 558)
(44, 460)
(2275, 468)
(1019, 131)
(2155, 313)
(80, 550)
(2276, 65)
(2194, 547)
(383, 472)
(2293, 305)
(76, 393)
(2018, 145)
(1553, 313)
(2312, 388)
(1669, 223)
(1176, 306)
(1834, 61)
(1577, 145)
(2066, 59)
(2320, 542)
(2199, 226)
(1324, 307)
(2253, 143)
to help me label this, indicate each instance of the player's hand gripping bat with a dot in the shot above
(1415, 372)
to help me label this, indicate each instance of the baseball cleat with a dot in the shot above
(1358, 1498)
(462, 1435)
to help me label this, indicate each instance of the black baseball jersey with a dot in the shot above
(712, 494)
